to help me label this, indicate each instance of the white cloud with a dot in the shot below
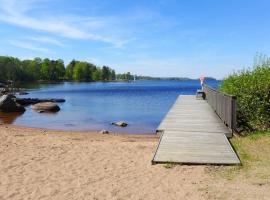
(14, 12)
(45, 40)
(29, 46)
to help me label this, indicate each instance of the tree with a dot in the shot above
(45, 75)
(13, 70)
(31, 69)
(105, 73)
(92, 69)
(3, 71)
(60, 69)
(129, 76)
(77, 72)
(69, 70)
(113, 75)
(81, 71)
(125, 76)
(97, 75)
(53, 70)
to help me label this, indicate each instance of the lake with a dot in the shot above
(93, 106)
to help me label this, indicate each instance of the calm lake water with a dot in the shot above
(93, 106)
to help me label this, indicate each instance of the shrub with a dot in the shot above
(252, 89)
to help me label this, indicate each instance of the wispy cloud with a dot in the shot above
(117, 30)
(45, 40)
(15, 12)
(29, 46)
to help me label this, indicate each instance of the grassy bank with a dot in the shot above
(254, 152)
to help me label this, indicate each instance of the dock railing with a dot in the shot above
(223, 104)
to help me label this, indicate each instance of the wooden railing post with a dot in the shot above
(223, 104)
(234, 111)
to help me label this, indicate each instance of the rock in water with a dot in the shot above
(46, 106)
(104, 132)
(28, 101)
(120, 123)
(8, 104)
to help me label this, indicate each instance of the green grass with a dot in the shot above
(258, 135)
(169, 165)
(254, 153)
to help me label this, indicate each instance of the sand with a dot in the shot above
(43, 164)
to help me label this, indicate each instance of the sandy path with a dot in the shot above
(38, 164)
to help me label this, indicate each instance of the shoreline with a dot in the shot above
(77, 133)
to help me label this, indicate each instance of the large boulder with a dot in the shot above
(8, 104)
(46, 107)
(120, 123)
(3, 90)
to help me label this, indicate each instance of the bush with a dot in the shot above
(252, 89)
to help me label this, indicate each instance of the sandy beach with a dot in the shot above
(44, 164)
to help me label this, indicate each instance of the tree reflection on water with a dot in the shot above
(9, 118)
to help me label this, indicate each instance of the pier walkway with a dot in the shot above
(193, 133)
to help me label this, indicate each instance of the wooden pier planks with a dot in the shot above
(193, 133)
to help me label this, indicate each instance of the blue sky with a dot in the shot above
(146, 37)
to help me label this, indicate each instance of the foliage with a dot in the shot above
(52, 70)
(125, 76)
(13, 69)
(69, 70)
(252, 89)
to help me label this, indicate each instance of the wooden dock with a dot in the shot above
(191, 132)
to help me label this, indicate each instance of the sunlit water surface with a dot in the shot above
(93, 106)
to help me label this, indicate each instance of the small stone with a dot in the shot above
(120, 123)
(104, 132)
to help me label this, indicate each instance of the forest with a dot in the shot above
(16, 70)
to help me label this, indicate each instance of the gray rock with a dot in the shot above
(8, 104)
(3, 90)
(104, 132)
(46, 106)
(120, 123)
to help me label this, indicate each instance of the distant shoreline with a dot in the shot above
(109, 81)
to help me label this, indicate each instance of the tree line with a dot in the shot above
(16, 70)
